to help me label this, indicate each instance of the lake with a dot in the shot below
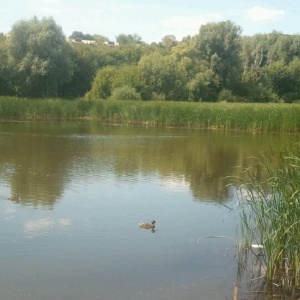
(85, 186)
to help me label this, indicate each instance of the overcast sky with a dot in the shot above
(153, 19)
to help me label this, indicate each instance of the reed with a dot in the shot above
(222, 116)
(269, 208)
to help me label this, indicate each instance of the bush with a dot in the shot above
(158, 97)
(226, 95)
(125, 93)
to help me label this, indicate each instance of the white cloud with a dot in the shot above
(50, 11)
(259, 13)
(40, 226)
(175, 184)
(181, 26)
(50, 1)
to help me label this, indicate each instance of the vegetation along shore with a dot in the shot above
(269, 213)
(169, 83)
(222, 115)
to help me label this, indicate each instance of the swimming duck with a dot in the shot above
(14, 197)
(147, 225)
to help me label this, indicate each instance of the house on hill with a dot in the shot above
(80, 41)
(111, 44)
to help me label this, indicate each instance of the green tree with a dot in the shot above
(284, 80)
(78, 35)
(5, 70)
(40, 58)
(81, 79)
(127, 54)
(102, 84)
(258, 52)
(293, 70)
(261, 50)
(125, 92)
(163, 75)
(100, 39)
(218, 45)
(126, 75)
(269, 63)
(204, 86)
(109, 79)
(168, 42)
(278, 78)
(124, 39)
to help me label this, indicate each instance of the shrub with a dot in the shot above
(158, 97)
(226, 95)
(125, 92)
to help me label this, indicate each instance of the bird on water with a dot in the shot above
(148, 225)
(14, 197)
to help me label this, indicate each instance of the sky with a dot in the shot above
(154, 19)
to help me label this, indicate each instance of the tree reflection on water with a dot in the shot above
(38, 160)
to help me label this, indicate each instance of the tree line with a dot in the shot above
(217, 64)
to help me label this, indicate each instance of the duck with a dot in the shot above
(147, 225)
(14, 197)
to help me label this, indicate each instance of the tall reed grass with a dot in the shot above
(269, 208)
(223, 116)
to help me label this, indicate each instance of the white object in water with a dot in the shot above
(257, 246)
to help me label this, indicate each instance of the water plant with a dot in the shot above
(222, 116)
(269, 209)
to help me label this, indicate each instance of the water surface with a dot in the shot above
(84, 188)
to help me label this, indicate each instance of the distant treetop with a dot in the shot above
(79, 35)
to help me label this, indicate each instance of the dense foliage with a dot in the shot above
(217, 64)
(39, 58)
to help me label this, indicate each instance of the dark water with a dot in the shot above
(84, 188)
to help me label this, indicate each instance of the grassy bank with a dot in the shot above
(225, 116)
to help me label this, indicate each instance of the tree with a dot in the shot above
(40, 57)
(258, 52)
(124, 39)
(102, 84)
(163, 75)
(126, 75)
(127, 54)
(109, 79)
(100, 39)
(278, 78)
(293, 70)
(125, 93)
(168, 41)
(271, 66)
(204, 86)
(78, 35)
(283, 79)
(5, 71)
(218, 44)
(81, 79)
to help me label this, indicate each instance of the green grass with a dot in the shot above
(223, 116)
(269, 208)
